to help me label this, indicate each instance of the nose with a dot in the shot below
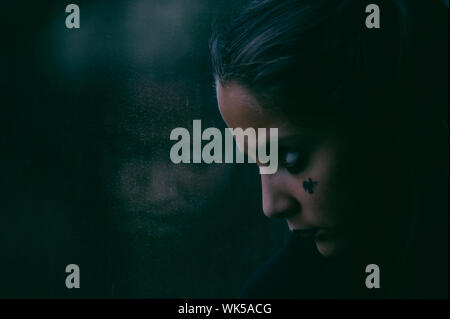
(278, 201)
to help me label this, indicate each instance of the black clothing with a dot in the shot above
(300, 271)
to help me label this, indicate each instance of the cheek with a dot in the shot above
(323, 168)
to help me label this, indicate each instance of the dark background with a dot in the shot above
(86, 176)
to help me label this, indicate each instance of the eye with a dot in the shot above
(293, 160)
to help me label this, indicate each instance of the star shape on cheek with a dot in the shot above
(309, 185)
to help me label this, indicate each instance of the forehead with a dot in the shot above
(239, 108)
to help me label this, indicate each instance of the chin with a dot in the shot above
(328, 248)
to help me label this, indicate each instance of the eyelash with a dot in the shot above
(297, 165)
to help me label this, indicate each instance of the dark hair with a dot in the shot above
(316, 59)
(315, 53)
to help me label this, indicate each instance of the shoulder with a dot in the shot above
(299, 271)
(287, 274)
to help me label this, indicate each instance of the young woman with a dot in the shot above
(363, 142)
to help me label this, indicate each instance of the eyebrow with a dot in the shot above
(290, 139)
(295, 138)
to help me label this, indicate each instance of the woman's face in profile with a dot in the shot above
(306, 189)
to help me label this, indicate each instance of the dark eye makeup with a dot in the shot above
(293, 159)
